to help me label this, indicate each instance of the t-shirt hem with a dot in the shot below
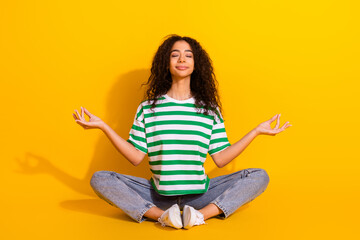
(181, 192)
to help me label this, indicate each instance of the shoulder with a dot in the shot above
(214, 113)
(151, 101)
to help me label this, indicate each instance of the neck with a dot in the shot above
(180, 89)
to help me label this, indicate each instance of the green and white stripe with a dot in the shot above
(177, 140)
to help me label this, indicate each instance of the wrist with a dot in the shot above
(256, 131)
(103, 126)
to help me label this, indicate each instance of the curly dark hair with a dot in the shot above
(203, 83)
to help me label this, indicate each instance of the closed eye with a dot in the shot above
(178, 55)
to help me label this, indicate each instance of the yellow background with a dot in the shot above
(297, 58)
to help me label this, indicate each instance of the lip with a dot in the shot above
(181, 67)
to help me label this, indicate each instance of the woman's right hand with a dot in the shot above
(94, 121)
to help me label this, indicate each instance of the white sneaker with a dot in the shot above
(192, 217)
(171, 217)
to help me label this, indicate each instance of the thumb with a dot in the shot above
(82, 123)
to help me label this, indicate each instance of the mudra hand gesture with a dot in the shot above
(94, 121)
(265, 128)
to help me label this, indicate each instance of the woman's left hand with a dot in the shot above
(265, 128)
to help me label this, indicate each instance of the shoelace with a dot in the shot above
(199, 219)
(161, 222)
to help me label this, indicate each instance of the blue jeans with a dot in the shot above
(135, 195)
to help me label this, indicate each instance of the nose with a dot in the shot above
(181, 59)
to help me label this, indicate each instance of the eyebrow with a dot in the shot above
(179, 50)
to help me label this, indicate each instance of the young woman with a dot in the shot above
(177, 124)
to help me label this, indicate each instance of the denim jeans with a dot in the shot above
(135, 195)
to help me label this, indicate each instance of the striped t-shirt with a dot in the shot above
(177, 140)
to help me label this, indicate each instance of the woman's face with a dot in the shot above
(181, 60)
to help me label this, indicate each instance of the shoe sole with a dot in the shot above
(174, 217)
(187, 213)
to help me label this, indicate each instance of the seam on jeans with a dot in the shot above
(230, 178)
(212, 185)
(128, 178)
(138, 183)
(221, 207)
(147, 207)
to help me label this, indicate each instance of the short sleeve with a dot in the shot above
(219, 140)
(137, 135)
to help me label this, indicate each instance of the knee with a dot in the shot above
(264, 177)
(261, 176)
(99, 177)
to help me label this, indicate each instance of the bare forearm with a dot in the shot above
(125, 148)
(235, 149)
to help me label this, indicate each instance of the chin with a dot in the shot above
(183, 75)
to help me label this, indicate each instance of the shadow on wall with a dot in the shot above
(123, 100)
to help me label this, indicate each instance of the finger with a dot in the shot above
(82, 112)
(272, 132)
(79, 116)
(87, 112)
(272, 119)
(286, 125)
(277, 122)
(277, 131)
(75, 116)
(81, 123)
